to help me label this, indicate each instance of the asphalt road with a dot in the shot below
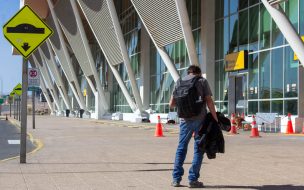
(9, 132)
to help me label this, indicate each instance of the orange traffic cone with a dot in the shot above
(158, 129)
(254, 128)
(289, 129)
(233, 127)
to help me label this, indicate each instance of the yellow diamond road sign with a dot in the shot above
(26, 31)
(18, 89)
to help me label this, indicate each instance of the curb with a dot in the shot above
(36, 142)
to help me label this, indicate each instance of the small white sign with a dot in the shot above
(33, 78)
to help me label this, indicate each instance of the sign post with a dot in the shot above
(26, 32)
(24, 112)
(33, 85)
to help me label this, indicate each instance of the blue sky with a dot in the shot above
(10, 65)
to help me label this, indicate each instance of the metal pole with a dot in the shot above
(10, 108)
(14, 108)
(17, 108)
(33, 96)
(24, 111)
(20, 108)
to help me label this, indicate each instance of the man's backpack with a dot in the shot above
(187, 98)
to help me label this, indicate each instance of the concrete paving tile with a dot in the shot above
(38, 179)
(11, 180)
(62, 179)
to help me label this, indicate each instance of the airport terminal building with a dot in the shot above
(108, 56)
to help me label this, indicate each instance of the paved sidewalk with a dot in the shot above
(87, 154)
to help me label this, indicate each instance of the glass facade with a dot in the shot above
(272, 84)
(268, 84)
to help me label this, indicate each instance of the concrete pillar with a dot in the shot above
(208, 40)
(145, 68)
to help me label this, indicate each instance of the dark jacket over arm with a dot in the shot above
(212, 139)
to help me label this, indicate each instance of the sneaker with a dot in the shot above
(196, 184)
(175, 184)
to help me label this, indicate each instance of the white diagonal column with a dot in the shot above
(125, 55)
(187, 31)
(286, 28)
(47, 52)
(90, 56)
(103, 29)
(72, 27)
(46, 77)
(58, 44)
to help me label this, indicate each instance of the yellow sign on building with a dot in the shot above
(236, 61)
(85, 92)
(26, 31)
(295, 57)
(18, 89)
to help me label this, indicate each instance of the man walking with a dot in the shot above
(190, 123)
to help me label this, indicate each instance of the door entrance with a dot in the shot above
(241, 94)
(237, 95)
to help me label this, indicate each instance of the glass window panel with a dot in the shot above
(217, 106)
(277, 107)
(264, 106)
(253, 107)
(264, 75)
(219, 40)
(243, 4)
(277, 36)
(243, 30)
(277, 73)
(290, 74)
(223, 81)
(254, 28)
(264, 28)
(291, 9)
(153, 63)
(219, 13)
(253, 70)
(195, 10)
(234, 6)
(253, 2)
(226, 7)
(301, 17)
(224, 107)
(197, 41)
(233, 33)
(226, 35)
(291, 106)
(217, 81)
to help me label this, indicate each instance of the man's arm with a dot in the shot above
(211, 107)
(172, 102)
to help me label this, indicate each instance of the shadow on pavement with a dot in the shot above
(97, 171)
(264, 187)
(149, 163)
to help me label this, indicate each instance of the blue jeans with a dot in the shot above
(186, 130)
